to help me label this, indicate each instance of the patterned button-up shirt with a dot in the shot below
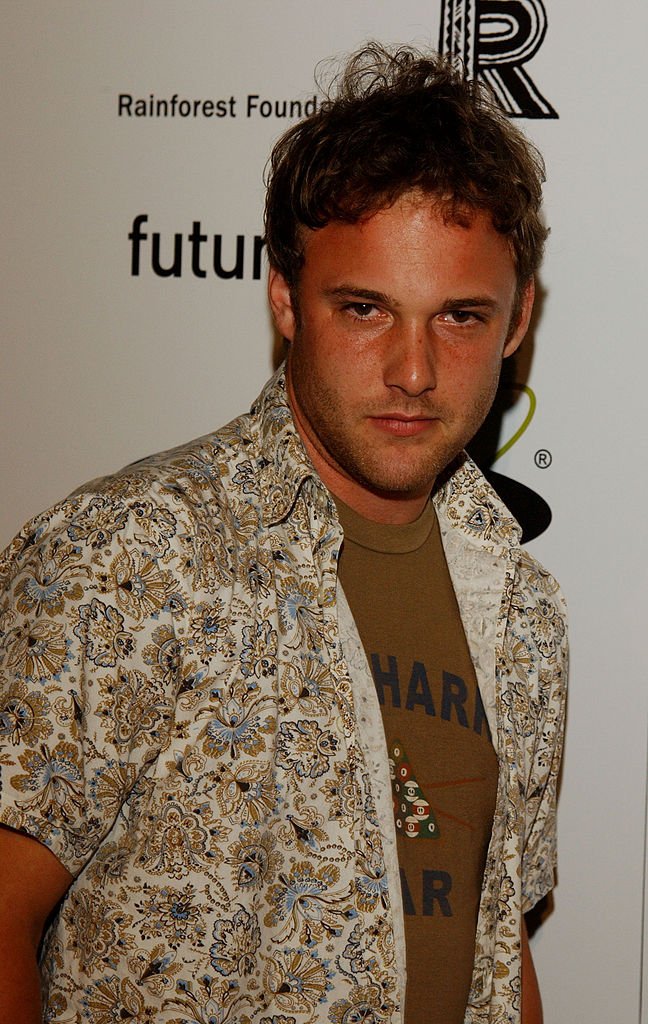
(188, 722)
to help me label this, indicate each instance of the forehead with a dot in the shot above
(417, 240)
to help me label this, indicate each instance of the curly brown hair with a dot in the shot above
(395, 121)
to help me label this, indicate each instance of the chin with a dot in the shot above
(400, 485)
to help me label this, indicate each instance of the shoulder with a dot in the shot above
(166, 506)
(538, 603)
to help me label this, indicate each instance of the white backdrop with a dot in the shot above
(100, 367)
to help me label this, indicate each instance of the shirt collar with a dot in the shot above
(283, 466)
(466, 501)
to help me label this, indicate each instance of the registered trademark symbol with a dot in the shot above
(543, 458)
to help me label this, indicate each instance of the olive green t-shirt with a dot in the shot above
(444, 768)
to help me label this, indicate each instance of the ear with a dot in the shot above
(523, 317)
(281, 304)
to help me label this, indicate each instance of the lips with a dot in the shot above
(403, 426)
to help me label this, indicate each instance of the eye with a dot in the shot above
(360, 310)
(462, 317)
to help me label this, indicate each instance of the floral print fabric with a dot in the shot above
(188, 723)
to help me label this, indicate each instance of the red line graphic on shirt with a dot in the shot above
(413, 812)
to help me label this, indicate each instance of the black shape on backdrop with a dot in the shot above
(529, 508)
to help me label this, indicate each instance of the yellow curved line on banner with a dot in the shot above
(525, 423)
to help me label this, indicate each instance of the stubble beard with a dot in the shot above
(409, 466)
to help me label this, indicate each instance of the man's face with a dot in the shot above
(396, 347)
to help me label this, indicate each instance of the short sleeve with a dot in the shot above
(88, 655)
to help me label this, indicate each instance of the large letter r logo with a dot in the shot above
(493, 39)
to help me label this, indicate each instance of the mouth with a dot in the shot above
(399, 425)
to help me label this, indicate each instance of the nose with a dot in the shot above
(409, 361)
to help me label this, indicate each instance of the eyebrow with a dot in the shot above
(350, 291)
(474, 302)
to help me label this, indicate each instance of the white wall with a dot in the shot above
(100, 367)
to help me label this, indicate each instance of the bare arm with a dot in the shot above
(32, 881)
(531, 1002)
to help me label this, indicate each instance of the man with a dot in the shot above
(231, 820)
